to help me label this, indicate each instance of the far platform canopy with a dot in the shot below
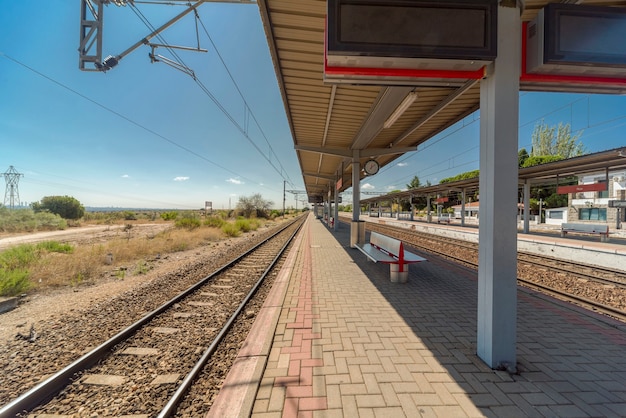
(548, 174)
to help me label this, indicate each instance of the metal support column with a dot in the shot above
(497, 269)
(336, 211)
(357, 232)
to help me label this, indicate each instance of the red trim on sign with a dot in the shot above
(402, 72)
(565, 79)
(576, 188)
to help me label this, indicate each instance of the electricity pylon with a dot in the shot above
(11, 193)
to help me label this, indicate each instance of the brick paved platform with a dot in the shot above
(337, 339)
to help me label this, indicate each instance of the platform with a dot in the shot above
(337, 339)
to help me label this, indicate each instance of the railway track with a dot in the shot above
(595, 288)
(150, 366)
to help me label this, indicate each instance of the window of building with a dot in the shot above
(604, 193)
(555, 214)
(592, 214)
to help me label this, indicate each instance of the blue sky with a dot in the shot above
(147, 135)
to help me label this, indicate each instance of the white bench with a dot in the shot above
(602, 230)
(444, 218)
(387, 250)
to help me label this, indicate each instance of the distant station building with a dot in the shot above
(599, 205)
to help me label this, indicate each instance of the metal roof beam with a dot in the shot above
(376, 152)
(441, 106)
(341, 152)
(318, 175)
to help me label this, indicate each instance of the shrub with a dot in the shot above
(65, 206)
(25, 220)
(55, 247)
(244, 225)
(232, 230)
(214, 222)
(169, 216)
(18, 257)
(129, 216)
(13, 282)
(188, 222)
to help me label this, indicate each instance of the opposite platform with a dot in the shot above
(341, 340)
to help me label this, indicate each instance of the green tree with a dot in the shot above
(254, 204)
(66, 207)
(414, 184)
(541, 159)
(555, 140)
(522, 156)
(463, 176)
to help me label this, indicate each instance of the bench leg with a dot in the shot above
(398, 276)
(604, 238)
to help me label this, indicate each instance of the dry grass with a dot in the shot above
(130, 255)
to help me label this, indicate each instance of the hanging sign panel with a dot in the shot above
(577, 40)
(420, 38)
(578, 188)
(575, 48)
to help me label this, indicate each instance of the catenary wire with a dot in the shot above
(126, 118)
(281, 172)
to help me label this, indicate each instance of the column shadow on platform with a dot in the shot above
(569, 363)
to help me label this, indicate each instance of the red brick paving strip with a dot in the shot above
(299, 399)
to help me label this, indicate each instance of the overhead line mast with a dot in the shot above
(11, 193)
(92, 24)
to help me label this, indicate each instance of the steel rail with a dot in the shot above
(172, 404)
(50, 387)
(568, 297)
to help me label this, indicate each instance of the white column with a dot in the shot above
(356, 187)
(355, 237)
(526, 207)
(336, 212)
(463, 207)
(497, 270)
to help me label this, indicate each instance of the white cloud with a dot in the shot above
(402, 164)
(125, 176)
(181, 178)
(392, 188)
(367, 186)
(234, 181)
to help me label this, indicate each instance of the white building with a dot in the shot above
(594, 205)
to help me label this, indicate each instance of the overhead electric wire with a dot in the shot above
(126, 118)
(237, 87)
(281, 172)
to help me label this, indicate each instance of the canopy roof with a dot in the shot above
(329, 121)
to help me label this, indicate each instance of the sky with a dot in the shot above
(147, 135)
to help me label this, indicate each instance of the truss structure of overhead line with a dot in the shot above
(90, 50)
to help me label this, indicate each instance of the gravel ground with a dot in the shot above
(69, 322)
(41, 306)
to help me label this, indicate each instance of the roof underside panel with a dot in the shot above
(324, 118)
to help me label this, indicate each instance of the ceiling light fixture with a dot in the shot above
(406, 103)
